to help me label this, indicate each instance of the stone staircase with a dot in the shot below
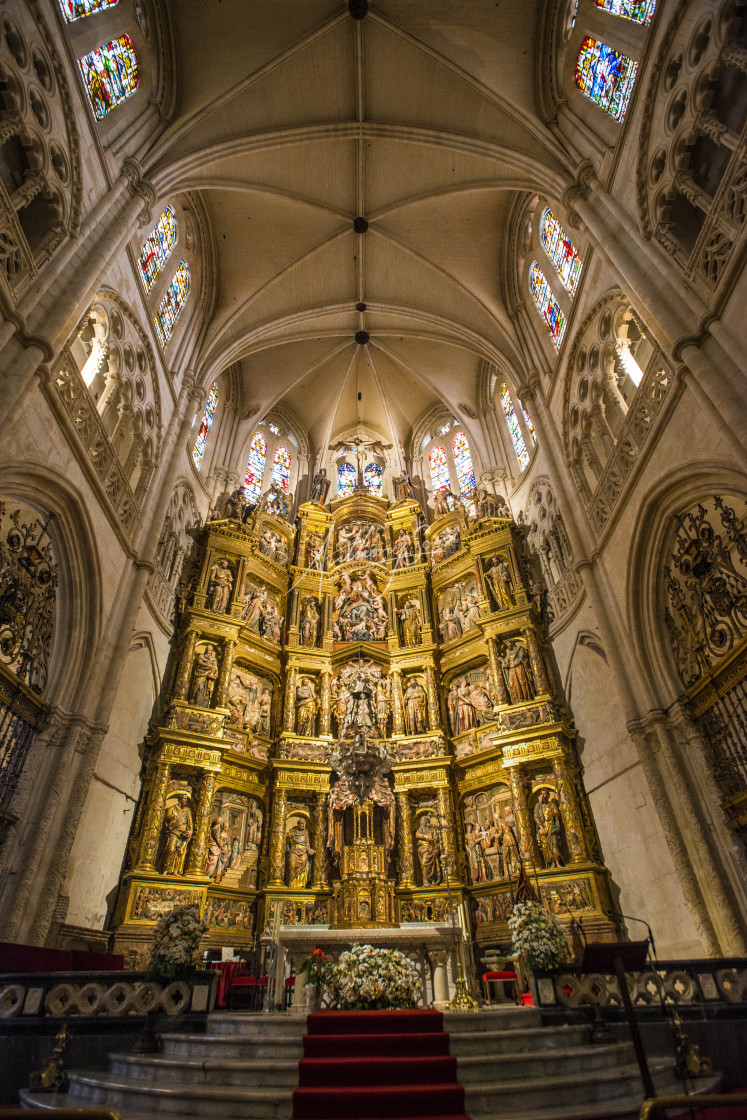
(246, 1067)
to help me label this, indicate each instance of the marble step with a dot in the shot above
(543, 1063)
(222, 1046)
(517, 1041)
(257, 1025)
(249, 1073)
(508, 1018)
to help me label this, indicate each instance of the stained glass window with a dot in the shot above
(281, 467)
(605, 76)
(439, 469)
(345, 480)
(373, 476)
(76, 9)
(110, 73)
(172, 303)
(513, 426)
(640, 11)
(529, 424)
(547, 305)
(559, 248)
(255, 467)
(465, 471)
(207, 419)
(157, 246)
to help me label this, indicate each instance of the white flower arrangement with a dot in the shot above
(369, 979)
(536, 936)
(174, 952)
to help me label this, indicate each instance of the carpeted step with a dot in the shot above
(375, 1022)
(372, 1071)
(375, 1045)
(370, 1101)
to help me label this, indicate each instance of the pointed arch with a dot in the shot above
(255, 467)
(281, 467)
(207, 420)
(157, 247)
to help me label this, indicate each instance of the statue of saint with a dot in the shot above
(320, 487)
(476, 841)
(299, 852)
(306, 707)
(450, 626)
(516, 663)
(415, 700)
(412, 628)
(403, 550)
(429, 854)
(178, 827)
(219, 850)
(220, 587)
(402, 487)
(310, 619)
(204, 676)
(549, 829)
(498, 579)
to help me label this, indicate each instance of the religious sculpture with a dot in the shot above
(402, 487)
(315, 551)
(441, 501)
(549, 829)
(410, 619)
(359, 612)
(518, 672)
(204, 676)
(277, 501)
(429, 853)
(360, 540)
(445, 544)
(260, 612)
(298, 854)
(219, 850)
(404, 551)
(415, 706)
(220, 587)
(469, 705)
(498, 579)
(272, 545)
(249, 701)
(307, 706)
(476, 842)
(308, 630)
(320, 487)
(238, 506)
(459, 609)
(178, 828)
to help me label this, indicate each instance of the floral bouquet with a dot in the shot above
(536, 936)
(369, 979)
(316, 969)
(174, 952)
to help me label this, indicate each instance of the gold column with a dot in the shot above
(425, 612)
(521, 813)
(277, 840)
(406, 867)
(480, 580)
(146, 860)
(398, 718)
(325, 713)
(319, 880)
(537, 660)
(499, 684)
(434, 712)
(229, 644)
(196, 861)
(181, 685)
(446, 816)
(289, 715)
(569, 810)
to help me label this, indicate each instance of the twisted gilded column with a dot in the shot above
(406, 867)
(320, 838)
(569, 811)
(146, 860)
(496, 672)
(289, 714)
(184, 673)
(325, 712)
(537, 661)
(196, 863)
(226, 663)
(448, 831)
(277, 840)
(398, 718)
(521, 815)
(434, 712)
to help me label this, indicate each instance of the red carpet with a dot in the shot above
(376, 1065)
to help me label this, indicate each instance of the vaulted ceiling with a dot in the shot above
(294, 119)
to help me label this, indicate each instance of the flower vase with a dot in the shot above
(313, 999)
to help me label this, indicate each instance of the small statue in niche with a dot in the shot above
(315, 551)
(220, 587)
(429, 853)
(517, 667)
(415, 704)
(476, 841)
(441, 500)
(299, 852)
(178, 828)
(310, 620)
(219, 850)
(450, 626)
(215, 514)
(404, 550)
(548, 826)
(498, 579)
(204, 676)
(306, 707)
(486, 503)
(402, 487)
(412, 628)
(320, 487)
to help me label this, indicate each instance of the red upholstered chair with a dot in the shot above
(489, 978)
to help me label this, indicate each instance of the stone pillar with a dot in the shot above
(320, 839)
(226, 663)
(146, 860)
(196, 863)
(298, 1007)
(277, 840)
(434, 712)
(448, 832)
(496, 672)
(569, 810)
(537, 660)
(289, 713)
(524, 828)
(181, 686)
(398, 717)
(406, 867)
(325, 713)
(439, 959)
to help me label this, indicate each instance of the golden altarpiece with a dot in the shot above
(360, 705)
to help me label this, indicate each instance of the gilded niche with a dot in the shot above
(360, 612)
(249, 701)
(469, 702)
(458, 609)
(260, 611)
(360, 540)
